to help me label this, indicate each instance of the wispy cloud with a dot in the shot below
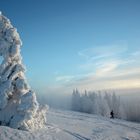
(101, 52)
(104, 67)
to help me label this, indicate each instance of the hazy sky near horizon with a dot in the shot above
(84, 44)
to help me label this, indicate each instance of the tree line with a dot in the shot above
(102, 103)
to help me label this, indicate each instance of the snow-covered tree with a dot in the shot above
(86, 103)
(103, 108)
(18, 105)
(116, 105)
(76, 103)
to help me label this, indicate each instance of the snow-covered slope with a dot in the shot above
(67, 125)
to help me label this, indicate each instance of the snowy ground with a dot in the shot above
(66, 125)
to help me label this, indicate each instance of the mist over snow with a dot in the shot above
(125, 103)
(59, 101)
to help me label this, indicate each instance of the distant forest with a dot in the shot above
(102, 103)
(95, 102)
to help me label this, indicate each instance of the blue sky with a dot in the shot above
(85, 44)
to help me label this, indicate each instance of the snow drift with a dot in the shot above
(18, 105)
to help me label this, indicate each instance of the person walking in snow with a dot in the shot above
(112, 114)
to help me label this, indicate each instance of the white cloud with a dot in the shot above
(65, 78)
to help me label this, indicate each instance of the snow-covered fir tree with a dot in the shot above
(18, 105)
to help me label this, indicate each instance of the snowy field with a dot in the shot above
(67, 125)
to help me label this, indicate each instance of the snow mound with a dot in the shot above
(18, 104)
